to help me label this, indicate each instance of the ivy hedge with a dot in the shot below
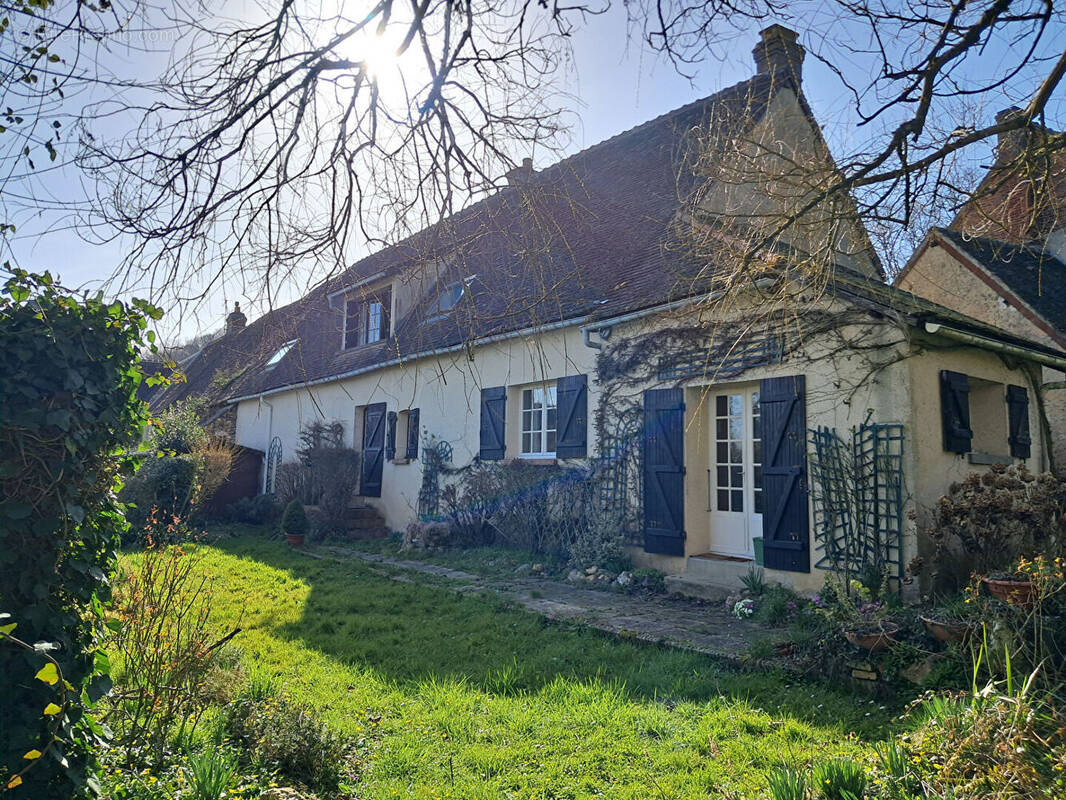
(69, 369)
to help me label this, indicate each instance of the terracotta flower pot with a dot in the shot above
(1014, 591)
(873, 639)
(948, 631)
(295, 539)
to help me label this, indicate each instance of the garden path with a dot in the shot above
(702, 627)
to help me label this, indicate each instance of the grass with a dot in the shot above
(462, 696)
(491, 562)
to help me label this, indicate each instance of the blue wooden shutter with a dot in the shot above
(955, 411)
(1018, 421)
(572, 403)
(493, 415)
(373, 450)
(786, 524)
(664, 472)
(412, 434)
(390, 437)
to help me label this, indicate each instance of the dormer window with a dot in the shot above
(366, 319)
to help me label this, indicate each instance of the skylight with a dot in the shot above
(276, 358)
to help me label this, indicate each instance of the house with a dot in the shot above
(1003, 261)
(562, 319)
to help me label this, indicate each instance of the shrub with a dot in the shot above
(291, 482)
(597, 543)
(259, 510)
(165, 648)
(294, 520)
(291, 739)
(429, 536)
(69, 410)
(334, 475)
(989, 520)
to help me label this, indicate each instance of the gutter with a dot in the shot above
(392, 362)
(988, 343)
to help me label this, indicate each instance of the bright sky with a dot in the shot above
(618, 83)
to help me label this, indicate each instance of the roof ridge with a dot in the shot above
(680, 110)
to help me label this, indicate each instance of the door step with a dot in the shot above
(710, 577)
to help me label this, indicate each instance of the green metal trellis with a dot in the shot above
(857, 489)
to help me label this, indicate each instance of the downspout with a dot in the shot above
(270, 437)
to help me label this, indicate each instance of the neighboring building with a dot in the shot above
(559, 320)
(1003, 261)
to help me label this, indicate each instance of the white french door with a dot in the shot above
(735, 485)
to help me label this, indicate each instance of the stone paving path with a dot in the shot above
(689, 625)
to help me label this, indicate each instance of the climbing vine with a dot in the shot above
(70, 371)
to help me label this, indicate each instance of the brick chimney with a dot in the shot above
(1010, 143)
(520, 174)
(236, 321)
(779, 50)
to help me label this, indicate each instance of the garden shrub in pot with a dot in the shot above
(294, 523)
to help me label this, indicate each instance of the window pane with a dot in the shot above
(722, 429)
(720, 407)
(551, 396)
(723, 453)
(723, 500)
(723, 476)
(536, 416)
(551, 418)
(736, 453)
(551, 442)
(758, 502)
(756, 451)
(527, 446)
(538, 397)
(736, 476)
(527, 398)
(756, 427)
(738, 501)
(736, 404)
(736, 428)
(757, 477)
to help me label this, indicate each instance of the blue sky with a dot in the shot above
(616, 83)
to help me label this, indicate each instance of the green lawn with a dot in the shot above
(466, 697)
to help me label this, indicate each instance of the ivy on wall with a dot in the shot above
(70, 373)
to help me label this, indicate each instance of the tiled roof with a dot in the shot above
(582, 238)
(1036, 277)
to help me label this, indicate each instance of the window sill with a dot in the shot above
(987, 459)
(537, 460)
(399, 462)
(357, 347)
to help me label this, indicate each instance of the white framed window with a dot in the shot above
(539, 421)
(366, 320)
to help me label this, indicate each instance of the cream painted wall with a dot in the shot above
(783, 160)
(938, 276)
(447, 391)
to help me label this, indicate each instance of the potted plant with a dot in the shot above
(952, 622)
(862, 619)
(294, 523)
(1010, 587)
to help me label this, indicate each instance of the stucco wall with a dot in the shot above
(447, 391)
(939, 276)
